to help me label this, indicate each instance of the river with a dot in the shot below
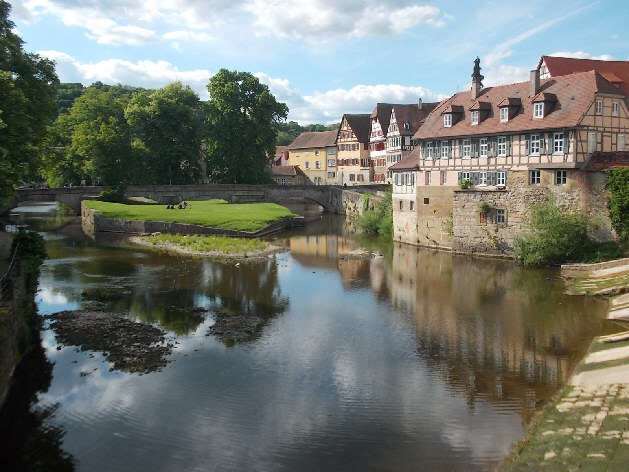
(410, 360)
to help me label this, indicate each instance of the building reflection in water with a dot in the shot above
(491, 327)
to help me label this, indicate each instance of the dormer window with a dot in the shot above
(538, 110)
(475, 117)
(447, 120)
(504, 114)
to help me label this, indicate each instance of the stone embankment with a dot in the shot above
(587, 427)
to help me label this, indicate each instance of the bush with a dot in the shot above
(555, 237)
(115, 195)
(32, 251)
(618, 204)
(380, 219)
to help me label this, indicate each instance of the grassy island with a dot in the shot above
(210, 213)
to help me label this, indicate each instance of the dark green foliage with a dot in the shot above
(27, 103)
(287, 132)
(380, 219)
(115, 195)
(32, 252)
(618, 204)
(242, 119)
(66, 94)
(555, 236)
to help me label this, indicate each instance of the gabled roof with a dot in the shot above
(383, 113)
(574, 93)
(413, 114)
(287, 171)
(360, 125)
(410, 162)
(313, 139)
(616, 72)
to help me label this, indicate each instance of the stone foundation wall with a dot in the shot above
(585, 192)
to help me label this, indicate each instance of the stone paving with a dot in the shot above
(587, 428)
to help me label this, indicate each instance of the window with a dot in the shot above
(504, 114)
(410, 178)
(501, 178)
(466, 149)
(535, 145)
(331, 162)
(331, 175)
(483, 147)
(401, 204)
(592, 141)
(426, 201)
(616, 109)
(621, 143)
(412, 204)
(429, 152)
(535, 177)
(447, 120)
(352, 177)
(561, 177)
(558, 143)
(465, 175)
(538, 110)
(331, 150)
(307, 164)
(317, 164)
(428, 178)
(502, 145)
(482, 178)
(445, 149)
(598, 108)
(500, 217)
(316, 153)
(444, 177)
(475, 117)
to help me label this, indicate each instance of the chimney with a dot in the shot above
(534, 85)
(477, 80)
(420, 104)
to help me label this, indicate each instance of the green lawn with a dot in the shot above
(211, 213)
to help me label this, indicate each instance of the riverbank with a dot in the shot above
(586, 427)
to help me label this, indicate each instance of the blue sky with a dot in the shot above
(323, 58)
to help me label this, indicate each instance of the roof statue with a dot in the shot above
(477, 75)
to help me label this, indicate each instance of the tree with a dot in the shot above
(27, 103)
(168, 124)
(242, 120)
(91, 142)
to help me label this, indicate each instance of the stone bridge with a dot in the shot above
(335, 199)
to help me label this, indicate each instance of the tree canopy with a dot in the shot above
(242, 118)
(27, 103)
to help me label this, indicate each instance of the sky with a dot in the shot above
(323, 58)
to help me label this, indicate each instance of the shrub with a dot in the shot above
(115, 195)
(465, 184)
(618, 204)
(554, 237)
(380, 219)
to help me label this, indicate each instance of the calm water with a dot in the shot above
(414, 360)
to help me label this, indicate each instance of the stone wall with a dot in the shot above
(584, 192)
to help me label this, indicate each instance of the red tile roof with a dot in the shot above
(413, 115)
(574, 96)
(314, 139)
(616, 72)
(410, 162)
(601, 161)
(287, 171)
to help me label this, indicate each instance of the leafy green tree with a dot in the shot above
(27, 102)
(67, 93)
(618, 204)
(168, 125)
(243, 119)
(380, 219)
(554, 237)
(92, 142)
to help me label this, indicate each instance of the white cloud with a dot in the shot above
(323, 20)
(583, 55)
(189, 36)
(147, 74)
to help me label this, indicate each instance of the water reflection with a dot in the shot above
(413, 360)
(493, 328)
